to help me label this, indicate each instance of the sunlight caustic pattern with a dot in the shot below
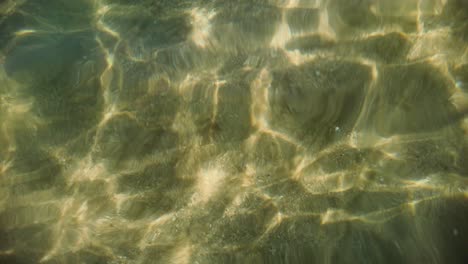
(247, 131)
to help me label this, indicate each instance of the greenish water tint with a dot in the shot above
(246, 131)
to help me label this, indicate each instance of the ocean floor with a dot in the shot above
(233, 131)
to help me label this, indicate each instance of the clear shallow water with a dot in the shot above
(256, 131)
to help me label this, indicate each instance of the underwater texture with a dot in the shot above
(233, 131)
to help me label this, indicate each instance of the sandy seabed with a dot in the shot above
(233, 131)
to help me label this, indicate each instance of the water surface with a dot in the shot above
(233, 131)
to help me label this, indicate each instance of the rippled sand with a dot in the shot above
(240, 131)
